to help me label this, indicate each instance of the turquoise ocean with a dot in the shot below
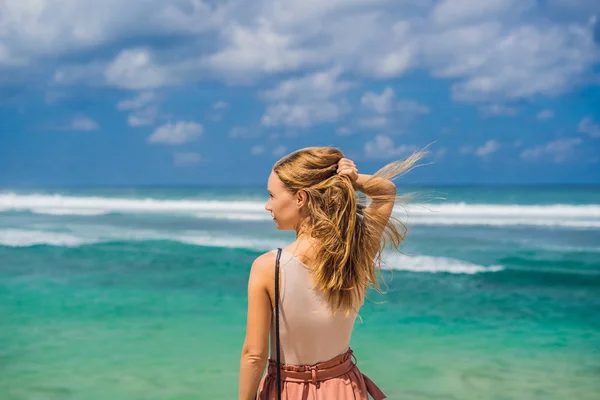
(140, 293)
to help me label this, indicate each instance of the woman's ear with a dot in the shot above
(301, 198)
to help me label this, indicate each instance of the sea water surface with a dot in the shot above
(140, 293)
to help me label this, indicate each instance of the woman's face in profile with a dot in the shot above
(282, 204)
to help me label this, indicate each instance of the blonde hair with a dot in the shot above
(349, 241)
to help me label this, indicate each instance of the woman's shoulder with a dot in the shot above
(265, 259)
(263, 265)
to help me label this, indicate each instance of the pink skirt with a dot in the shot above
(338, 378)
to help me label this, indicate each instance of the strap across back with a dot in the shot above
(277, 346)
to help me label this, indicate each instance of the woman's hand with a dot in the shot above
(347, 168)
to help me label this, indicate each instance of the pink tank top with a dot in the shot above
(309, 333)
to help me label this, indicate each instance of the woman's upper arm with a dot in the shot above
(259, 306)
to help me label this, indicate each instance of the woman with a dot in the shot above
(323, 276)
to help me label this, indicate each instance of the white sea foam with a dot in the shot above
(12, 201)
(508, 210)
(68, 211)
(446, 214)
(89, 235)
(26, 238)
(501, 222)
(228, 241)
(235, 216)
(420, 263)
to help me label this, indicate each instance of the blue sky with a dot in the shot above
(203, 92)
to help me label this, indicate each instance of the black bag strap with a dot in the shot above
(277, 322)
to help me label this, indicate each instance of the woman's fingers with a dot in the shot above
(346, 161)
(350, 172)
(347, 167)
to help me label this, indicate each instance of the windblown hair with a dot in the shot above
(349, 239)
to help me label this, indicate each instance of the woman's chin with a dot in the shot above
(278, 225)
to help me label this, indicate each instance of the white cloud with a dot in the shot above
(464, 11)
(279, 151)
(257, 150)
(141, 100)
(394, 63)
(549, 58)
(579, 8)
(238, 132)
(177, 133)
(343, 131)
(374, 122)
(491, 51)
(252, 51)
(380, 103)
(78, 123)
(466, 149)
(136, 121)
(479, 45)
(303, 115)
(297, 12)
(88, 74)
(558, 150)
(483, 151)
(143, 117)
(545, 114)
(135, 69)
(242, 132)
(411, 108)
(220, 105)
(306, 101)
(399, 114)
(319, 85)
(217, 111)
(385, 104)
(589, 127)
(83, 123)
(145, 112)
(185, 159)
(383, 147)
(8, 59)
(488, 148)
(499, 109)
(33, 29)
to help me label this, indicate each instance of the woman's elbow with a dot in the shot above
(389, 188)
(253, 356)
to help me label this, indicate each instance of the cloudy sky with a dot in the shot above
(205, 92)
